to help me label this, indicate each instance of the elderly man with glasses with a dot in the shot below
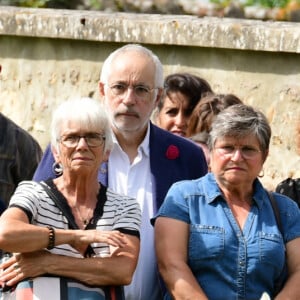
(145, 160)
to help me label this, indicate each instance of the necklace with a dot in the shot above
(85, 221)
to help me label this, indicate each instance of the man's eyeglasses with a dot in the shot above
(141, 91)
(247, 152)
(92, 140)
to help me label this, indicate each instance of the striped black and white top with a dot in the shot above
(120, 212)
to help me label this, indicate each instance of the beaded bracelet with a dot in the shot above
(51, 241)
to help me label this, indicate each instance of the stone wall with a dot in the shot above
(48, 56)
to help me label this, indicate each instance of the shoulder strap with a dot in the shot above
(282, 278)
(276, 211)
(111, 292)
(65, 209)
(60, 202)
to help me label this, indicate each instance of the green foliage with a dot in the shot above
(32, 3)
(268, 3)
(263, 3)
(222, 3)
(96, 4)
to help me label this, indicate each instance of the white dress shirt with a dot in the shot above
(136, 180)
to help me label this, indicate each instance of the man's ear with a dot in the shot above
(101, 89)
(106, 155)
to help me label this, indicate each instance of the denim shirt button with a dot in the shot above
(242, 263)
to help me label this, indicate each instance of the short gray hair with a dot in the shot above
(238, 121)
(106, 68)
(89, 113)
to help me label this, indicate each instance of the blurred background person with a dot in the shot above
(20, 155)
(228, 243)
(291, 186)
(182, 93)
(204, 113)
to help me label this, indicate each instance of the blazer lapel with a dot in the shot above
(158, 164)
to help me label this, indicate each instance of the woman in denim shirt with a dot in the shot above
(217, 236)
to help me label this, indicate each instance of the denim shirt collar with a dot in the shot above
(212, 190)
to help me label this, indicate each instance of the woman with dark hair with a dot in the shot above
(182, 93)
(203, 115)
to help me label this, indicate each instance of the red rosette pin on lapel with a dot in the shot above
(172, 152)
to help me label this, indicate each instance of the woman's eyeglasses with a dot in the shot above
(246, 152)
(92, 140)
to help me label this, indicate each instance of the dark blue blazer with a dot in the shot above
(166, 169)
